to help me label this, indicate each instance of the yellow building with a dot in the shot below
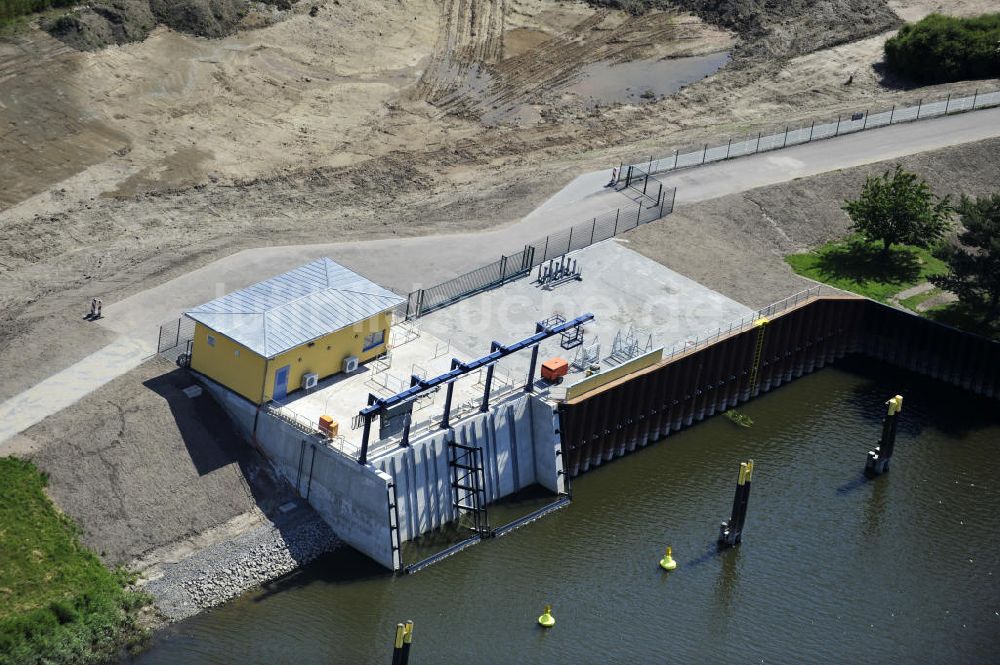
(285, 333)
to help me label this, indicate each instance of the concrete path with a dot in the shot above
(404, 264)
(66, 387)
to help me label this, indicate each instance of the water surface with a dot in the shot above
(832, 569)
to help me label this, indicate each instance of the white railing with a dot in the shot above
(749, 321)
(297, 420)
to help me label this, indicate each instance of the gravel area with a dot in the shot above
(223, 571)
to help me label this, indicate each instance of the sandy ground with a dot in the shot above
(735, 244)
(140, 466)
(125, 167)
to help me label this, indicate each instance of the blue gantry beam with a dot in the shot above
(542, 332)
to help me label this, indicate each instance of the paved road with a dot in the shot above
(407, 263)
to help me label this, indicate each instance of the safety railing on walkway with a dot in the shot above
(859, 121)
(298, 421)
(749, 321)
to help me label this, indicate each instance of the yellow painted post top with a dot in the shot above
(762, 321)
(400, 632)
(408, 633)
(743, 474)
(895, 405)
(749, 470)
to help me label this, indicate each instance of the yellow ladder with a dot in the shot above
(761, 324)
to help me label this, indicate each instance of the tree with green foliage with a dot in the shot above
(939, 49)
(897, 207)
(974, 263)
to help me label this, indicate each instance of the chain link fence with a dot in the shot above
(175, 339)
(814, 131)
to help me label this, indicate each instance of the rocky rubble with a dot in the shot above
(226, 570)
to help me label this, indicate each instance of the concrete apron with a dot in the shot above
(405, 492)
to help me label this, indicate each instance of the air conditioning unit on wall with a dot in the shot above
(309, 381)
(350, 364)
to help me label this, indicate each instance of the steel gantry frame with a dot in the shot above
(419, 385)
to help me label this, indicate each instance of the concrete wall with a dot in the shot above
(548, 446)
(355, 500)
(517, 438)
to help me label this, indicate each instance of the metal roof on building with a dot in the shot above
(301, 305)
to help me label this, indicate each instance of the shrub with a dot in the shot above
(939, 49)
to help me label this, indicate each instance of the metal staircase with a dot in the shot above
(469, 487)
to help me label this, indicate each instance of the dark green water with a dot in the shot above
(832, 569)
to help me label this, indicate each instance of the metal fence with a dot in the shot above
(506, 268)
(601, 227)
(519, 264)
(814, 131)
(750, 320)
(175, 338)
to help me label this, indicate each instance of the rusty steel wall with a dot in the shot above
(646, 406)
(961, 359)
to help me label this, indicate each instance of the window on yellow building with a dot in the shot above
(374, 339)
(211, 341)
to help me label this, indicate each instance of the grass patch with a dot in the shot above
(961, 316)
(861, 267)
(912, 302)
(58, 602)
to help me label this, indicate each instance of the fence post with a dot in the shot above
(865, 126)
(545, 252)
(947, 103)
(892, 113)
(811, 128)
(177, 341)
(837, 133)
(569, 245)
(645, 183)
(593, 227)
(704, 152)
(650, 165)
(503, 268)
(975, 98)
(729, 147)
(638, 213)
(784, 141)
(756, 148)
(920, 105)
(659, 195)
(673, 197)
(675, 159)
(617, 212)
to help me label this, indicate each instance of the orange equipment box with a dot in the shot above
(329, 426)
(554, 369)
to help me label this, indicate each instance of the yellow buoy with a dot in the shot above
(667, 562)
(546, 619)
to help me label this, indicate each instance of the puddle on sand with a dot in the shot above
(522, 40)
(642, 80)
